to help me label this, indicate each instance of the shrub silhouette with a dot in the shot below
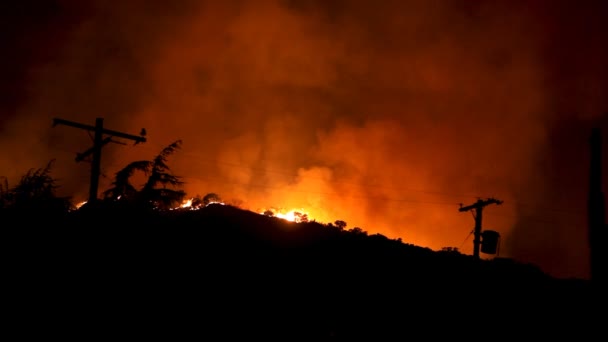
(35, 191)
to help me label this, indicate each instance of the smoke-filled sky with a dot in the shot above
(385, 114)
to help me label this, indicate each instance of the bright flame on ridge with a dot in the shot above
(186, 204)
(191, 204)
(294, 215)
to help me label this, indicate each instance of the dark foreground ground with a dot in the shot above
(221, 273)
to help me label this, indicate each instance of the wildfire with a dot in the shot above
(195, 204)
(294, 215)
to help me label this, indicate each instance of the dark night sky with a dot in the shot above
(386, 114)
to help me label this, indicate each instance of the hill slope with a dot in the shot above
(222, 270)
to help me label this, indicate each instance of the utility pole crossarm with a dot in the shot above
(467, 208)
(98, 143)
(480, 204)
(139, 139)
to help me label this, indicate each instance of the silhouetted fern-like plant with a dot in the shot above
(159, 189)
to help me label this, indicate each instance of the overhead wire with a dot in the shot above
(201, 160)
(465, 239)
(283, 189)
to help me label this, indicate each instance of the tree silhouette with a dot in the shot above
(340, 224)
(156, 192)
(300, 217)
(197, 201)
(211, 198)
(35, 190)
(358, 231)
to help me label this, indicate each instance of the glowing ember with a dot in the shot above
(79, 205)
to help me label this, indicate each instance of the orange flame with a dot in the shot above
(191, 204)
(294, 215)
(186, 203)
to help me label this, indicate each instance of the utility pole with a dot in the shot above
(596, 211)
(478, 210)
(98, 143)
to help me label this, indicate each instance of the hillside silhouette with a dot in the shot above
(222, 272)
(137, 264)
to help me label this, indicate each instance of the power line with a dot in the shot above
(363, 185)
(226, 181)
(383, 198)
(536, 207)
(530, 218)
(201, 160)
(465, 239)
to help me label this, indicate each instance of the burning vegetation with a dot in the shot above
(196, 203)
(157, 192)
(294, 215)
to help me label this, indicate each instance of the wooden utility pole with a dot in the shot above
(596, 211)
(478, 210)
(98, 143)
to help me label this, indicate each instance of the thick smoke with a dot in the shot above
(384, 114)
